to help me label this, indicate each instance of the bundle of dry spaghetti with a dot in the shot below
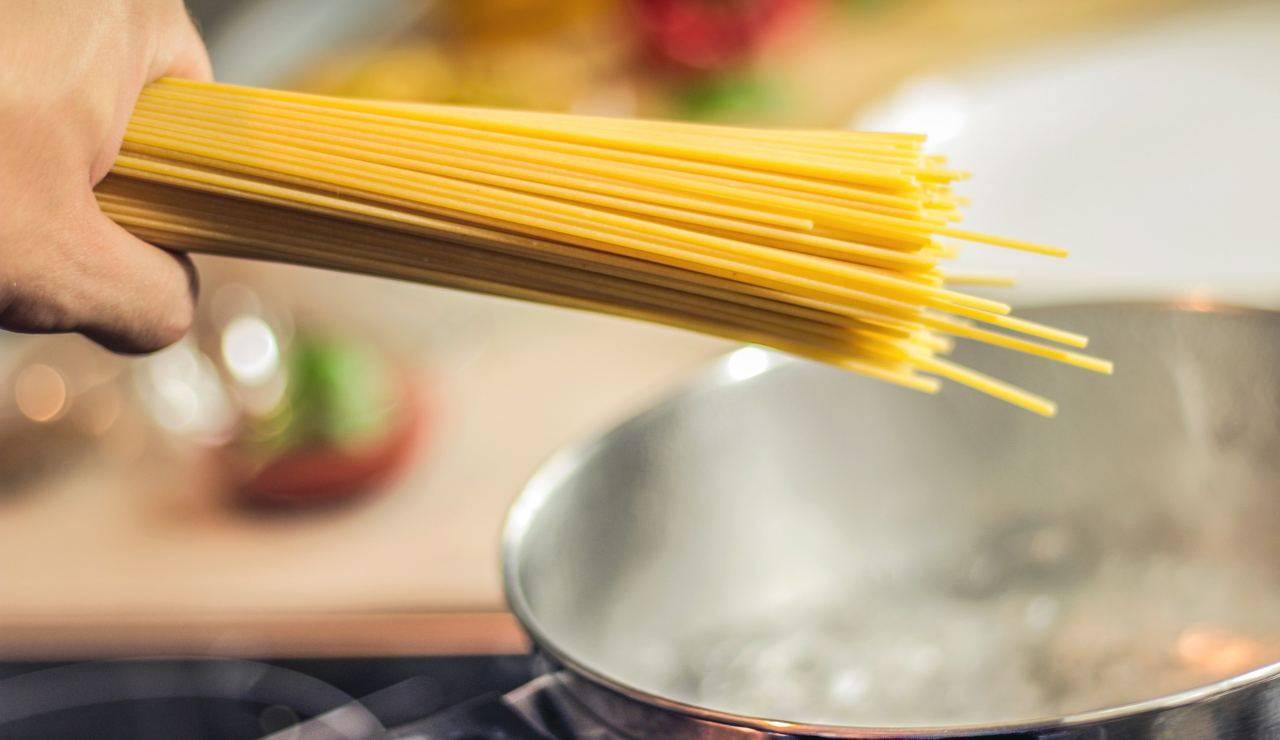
(824, 244)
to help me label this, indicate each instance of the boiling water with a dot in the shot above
(986, 647)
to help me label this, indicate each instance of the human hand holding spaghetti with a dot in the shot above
(70, 73)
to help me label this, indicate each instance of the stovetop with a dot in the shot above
(310, 699)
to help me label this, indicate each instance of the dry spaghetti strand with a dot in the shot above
(823, 244)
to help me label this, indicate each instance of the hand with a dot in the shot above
(70, 73)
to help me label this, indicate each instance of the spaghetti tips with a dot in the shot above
(824, 244)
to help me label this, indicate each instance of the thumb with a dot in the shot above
(138, 297)
(135, 297)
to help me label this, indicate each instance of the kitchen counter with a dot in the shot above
(119, 554)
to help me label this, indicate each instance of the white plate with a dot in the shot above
(1153, 155)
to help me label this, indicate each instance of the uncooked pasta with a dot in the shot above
(823, 244)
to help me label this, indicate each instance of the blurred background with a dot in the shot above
(322, 467)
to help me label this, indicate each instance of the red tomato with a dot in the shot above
(322, 475)
(709, 35)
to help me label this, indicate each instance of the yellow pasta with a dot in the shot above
(823, 244)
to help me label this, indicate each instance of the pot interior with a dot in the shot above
(793, 542)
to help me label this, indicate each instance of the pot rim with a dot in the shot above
(568, 459)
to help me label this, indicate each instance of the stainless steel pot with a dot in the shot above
(788, 550)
